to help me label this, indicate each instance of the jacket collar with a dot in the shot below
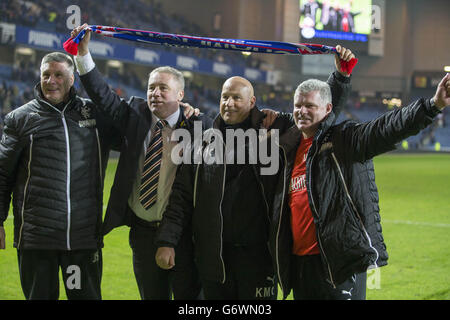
(256, 117)
(181, 122)
(292, 137)
(329, 121)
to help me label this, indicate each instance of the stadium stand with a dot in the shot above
(41, 15)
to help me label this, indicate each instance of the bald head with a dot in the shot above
(237, 99)
(240, 82)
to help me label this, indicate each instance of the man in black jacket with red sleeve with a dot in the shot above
(228, 202)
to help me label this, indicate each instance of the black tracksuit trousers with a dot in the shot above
(308, 278)
(155, 283)
(81, 273)
(249, 275)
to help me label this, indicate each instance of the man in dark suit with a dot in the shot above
(145, 172)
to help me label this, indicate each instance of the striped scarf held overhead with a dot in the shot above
(170, 39)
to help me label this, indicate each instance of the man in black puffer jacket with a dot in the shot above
(326, 222)
(53, 156)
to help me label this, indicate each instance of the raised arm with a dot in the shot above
(340, 85)
(339, 81)
(94, 84)
(380, 135)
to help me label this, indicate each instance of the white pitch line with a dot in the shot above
(427, 224)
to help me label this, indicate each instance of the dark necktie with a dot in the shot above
(152, 164)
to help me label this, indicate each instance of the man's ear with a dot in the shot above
(252, 102)
(329, 108)
(180, 95)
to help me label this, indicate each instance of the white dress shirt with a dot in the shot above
(168, 170)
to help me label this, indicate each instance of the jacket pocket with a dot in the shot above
(348, 249)
(344, 236)
(342, 232)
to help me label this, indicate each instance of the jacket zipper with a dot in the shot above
(317, 231)
(220, 211)
(66, 133)
(99, 157)
(221, 220)
(263, 193)
(267, 205)
(69, 213)
(195, 186)
(100, 171)
(354, 208)
(25, 190)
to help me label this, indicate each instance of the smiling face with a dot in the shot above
(236, 100)
(309, 111)
(163, 94)
(56, 80)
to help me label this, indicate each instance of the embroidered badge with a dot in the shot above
(326, 146)
(85, 112)
(88, 123)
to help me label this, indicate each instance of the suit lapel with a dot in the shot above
(144, 124)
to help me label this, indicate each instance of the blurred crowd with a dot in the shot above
(16, 88)
(47, 15)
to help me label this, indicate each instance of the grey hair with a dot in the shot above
(58, 57)
(315, 85)
(174, 72)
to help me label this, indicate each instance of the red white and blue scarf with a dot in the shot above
(169, 39)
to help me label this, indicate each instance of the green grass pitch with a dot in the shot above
(415, 213)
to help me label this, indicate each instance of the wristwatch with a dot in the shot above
(433, 102)
(434, 107)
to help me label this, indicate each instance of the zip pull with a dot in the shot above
(68, 177)
(314, 211)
